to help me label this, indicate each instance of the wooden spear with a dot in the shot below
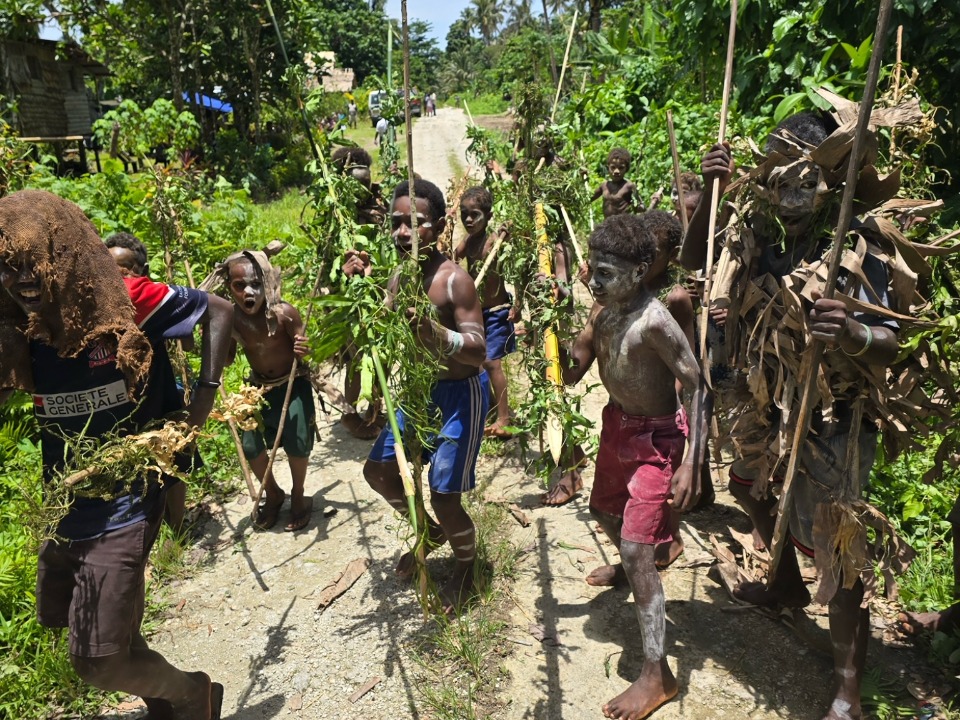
(551, 345)
(563, 68)
(715, 194)
(814, 353)
(501, 236)
(676, 171)
(418, 516)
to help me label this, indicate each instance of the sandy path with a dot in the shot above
(249, 616)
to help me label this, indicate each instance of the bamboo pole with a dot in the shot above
(897, 70)
(418, 518)
(563, 68)
(551, 344)
(676, 171)
(573, 236)
(586, 185)
(715, 194)
(814, 352)
(469, 115)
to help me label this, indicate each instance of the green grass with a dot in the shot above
(461, 658)
(486, 104)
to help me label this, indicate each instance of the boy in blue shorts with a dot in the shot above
(499, 310)
(460, 393)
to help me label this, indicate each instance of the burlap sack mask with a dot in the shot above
(84, 298)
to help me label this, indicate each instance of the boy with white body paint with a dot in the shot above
(642, 473)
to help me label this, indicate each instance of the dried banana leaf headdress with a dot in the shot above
(265, 271)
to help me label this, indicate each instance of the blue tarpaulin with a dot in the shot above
(208, 102)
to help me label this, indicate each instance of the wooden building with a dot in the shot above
(51, 99)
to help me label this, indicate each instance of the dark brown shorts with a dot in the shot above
(95, 587)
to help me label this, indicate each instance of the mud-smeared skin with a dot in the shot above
(656, 684)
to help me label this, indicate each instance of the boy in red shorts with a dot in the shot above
(642, 472)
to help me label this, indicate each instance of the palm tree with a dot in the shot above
(487, 16)
(521, 15)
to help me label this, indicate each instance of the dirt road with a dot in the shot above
(249, 616)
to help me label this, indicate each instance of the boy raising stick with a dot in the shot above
(461, 392)
(642, 472)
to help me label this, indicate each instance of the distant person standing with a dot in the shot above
(352, 114)
(383, 127)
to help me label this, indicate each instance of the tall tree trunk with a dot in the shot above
(553, 59)
(251, 46)
(174, 20)
(595, 7)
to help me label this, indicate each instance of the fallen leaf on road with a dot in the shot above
(519, 515)
(296, 702)
(181, 604)
(346, 579)
(547, 637)
(364, 689)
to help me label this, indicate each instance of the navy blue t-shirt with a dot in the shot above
(88, 394)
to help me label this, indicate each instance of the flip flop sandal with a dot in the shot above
(301, 520)
(268, 513)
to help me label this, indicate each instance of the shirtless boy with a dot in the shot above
(461, 392)
(499, 310)
(619, 194)
(271, 335)
(642, 472)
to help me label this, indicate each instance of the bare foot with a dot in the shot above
(360, 427)
(843, 710)
(498, 430)
(757, 593)
(608, 576)
(653, 688)
(667, 553)
(564, 491)
(205, 702)
(758, 544)
(408, 561)
(269, 510)
(458, 590)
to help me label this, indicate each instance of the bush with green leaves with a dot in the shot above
(142, 131)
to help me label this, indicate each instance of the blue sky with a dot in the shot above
(439, 13)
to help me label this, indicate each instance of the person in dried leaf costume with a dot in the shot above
(784, 214)
(86, 342)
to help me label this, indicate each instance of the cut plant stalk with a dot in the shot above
(551, 344)
(715, 193)
(814, 352)
(418, 513)
(676, 172)
(586, 185)
(563, 68)
(578, 251)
